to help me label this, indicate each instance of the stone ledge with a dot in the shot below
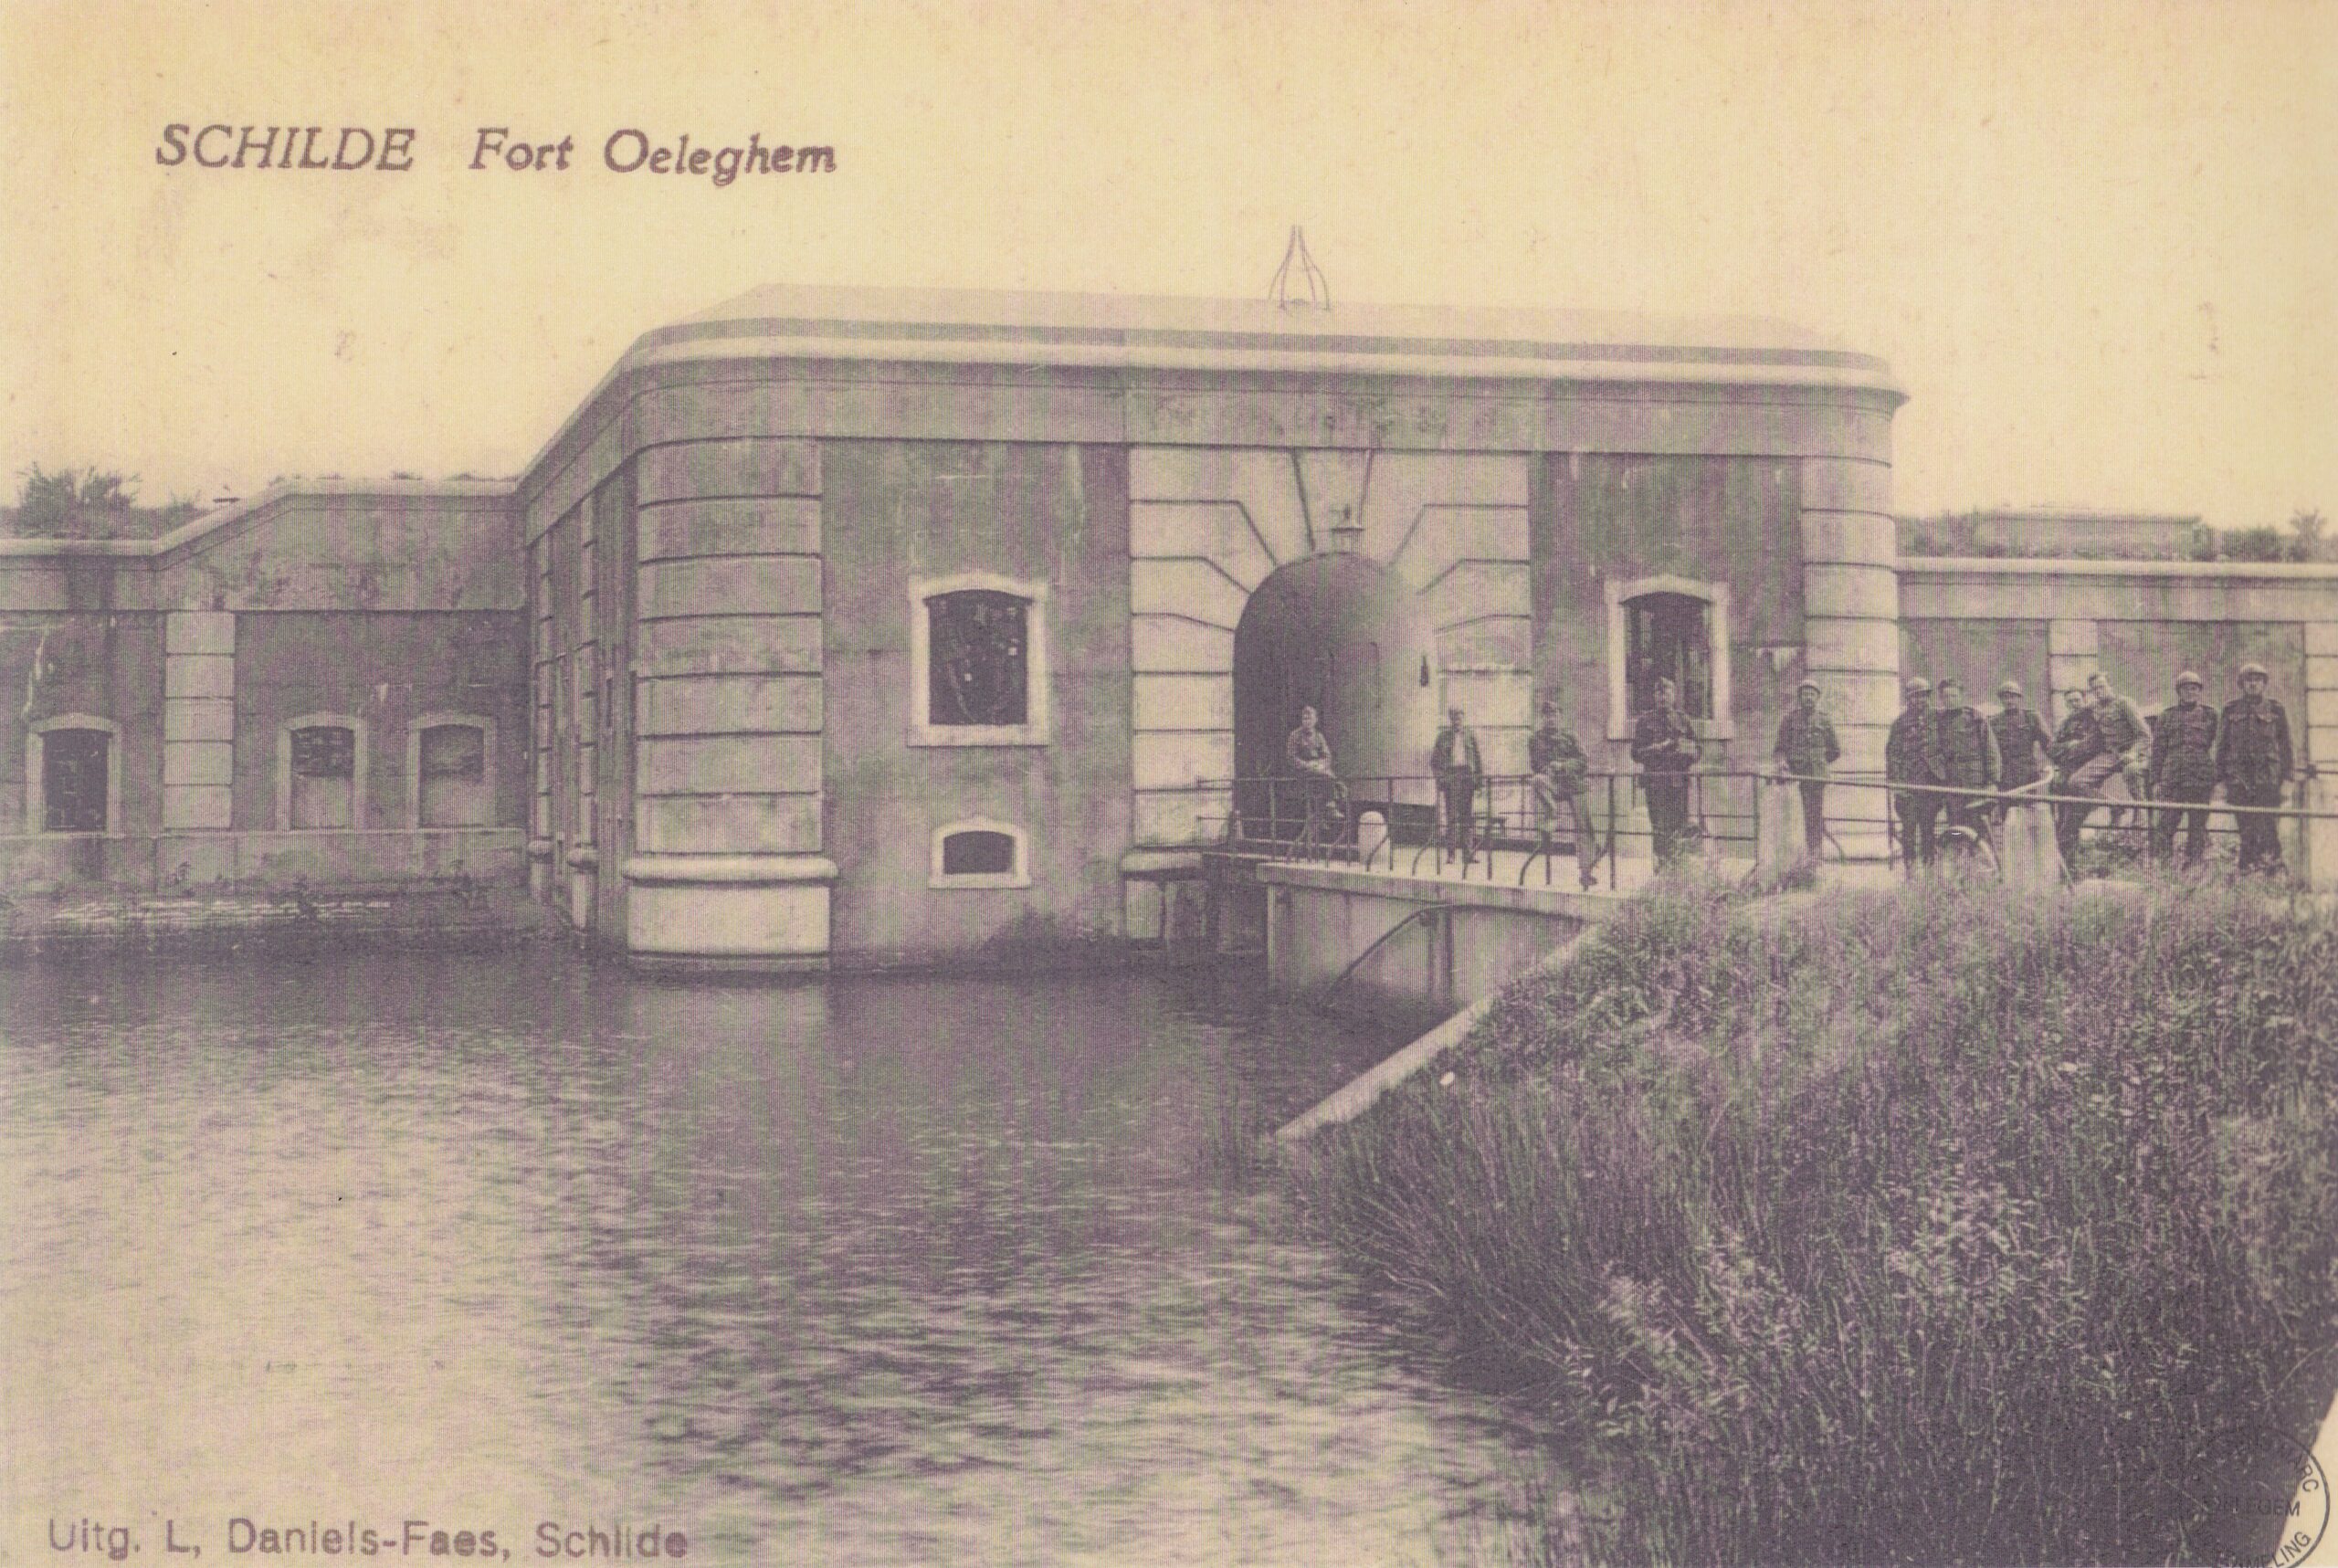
(729, 869)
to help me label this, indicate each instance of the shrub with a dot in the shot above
(1919, 1226)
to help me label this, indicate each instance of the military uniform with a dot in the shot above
(1911, 756)
(1309, 753)
(2253, 762)
(1560, 772)
(1456, 761)
(2184, 771)
(1665, 745)
(1805, 747)
(1968, 757)
(2021, 738)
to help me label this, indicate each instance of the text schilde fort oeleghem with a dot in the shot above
(495, 150)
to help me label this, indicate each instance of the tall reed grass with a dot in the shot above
(1921, 1225)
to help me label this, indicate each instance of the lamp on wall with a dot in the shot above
(1345, 530)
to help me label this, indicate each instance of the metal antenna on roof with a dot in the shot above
(1307, 275)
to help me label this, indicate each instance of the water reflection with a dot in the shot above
(874, 1271)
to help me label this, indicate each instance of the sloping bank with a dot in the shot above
(1915, 1225)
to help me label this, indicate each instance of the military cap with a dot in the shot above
(1805, 684)
(2009, 689)
(2253, 669)
(2189, 677)
(1916, 683)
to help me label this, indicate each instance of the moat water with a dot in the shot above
(866, 1271)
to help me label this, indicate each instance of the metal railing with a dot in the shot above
(1291, 817)
(2135, 821)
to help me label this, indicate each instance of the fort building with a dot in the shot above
(870, 628)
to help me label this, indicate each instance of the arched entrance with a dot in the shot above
(1341, 634)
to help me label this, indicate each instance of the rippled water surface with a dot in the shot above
(866, 1271)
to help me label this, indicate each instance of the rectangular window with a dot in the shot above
(73, 780)
(1667, 637)
(979, 669)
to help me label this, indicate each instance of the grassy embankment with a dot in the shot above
(1924, 1225)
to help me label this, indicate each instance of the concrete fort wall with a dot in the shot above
(375, 609)
(746, 722)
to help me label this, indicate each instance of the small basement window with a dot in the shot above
(452, 773)
(980, 852)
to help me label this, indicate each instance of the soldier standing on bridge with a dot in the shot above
(2184, 769)
(2253, 762)
(1969, 758)
(1911, 756)
(1807, 745)
(1665, 745)
(2024, 747)
(1458, 764)
(1560, 771)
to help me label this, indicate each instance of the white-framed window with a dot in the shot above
(450, 771)
(979, 852)
(73, 775)
(978, 661)
(321, 773)
(1674, 628)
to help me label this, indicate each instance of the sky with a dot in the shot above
(2097, 244)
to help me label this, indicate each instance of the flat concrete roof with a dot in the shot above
(955, 325)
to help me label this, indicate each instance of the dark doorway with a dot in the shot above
(1338, 634)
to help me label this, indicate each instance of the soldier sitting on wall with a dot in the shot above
(2076, 745)
(1309, 755)
(1560, 772)
(2184, 769)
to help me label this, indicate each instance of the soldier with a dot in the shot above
(1911, 756)
(1968, 756)
(1308, 754)
(1560, 772)
(1807, 744)
(2076, 742)
(2253, 762)
(2024, 748)
(1665, 745)
(2126, 739)
(1456, 761)
(2184, 769)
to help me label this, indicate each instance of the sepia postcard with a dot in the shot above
(1321, 783)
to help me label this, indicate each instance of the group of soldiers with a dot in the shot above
(1664, 744)
(2176, 759)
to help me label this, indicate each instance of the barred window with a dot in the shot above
(326, 752)
(323, 785)
(1669, 637)
(979, 852)
(74, 764)
(978, 667)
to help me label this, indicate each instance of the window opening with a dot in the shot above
(73, 780)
